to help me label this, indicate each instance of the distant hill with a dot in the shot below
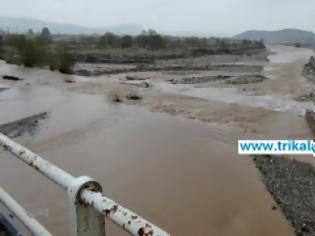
(280, 36)
(23, 24)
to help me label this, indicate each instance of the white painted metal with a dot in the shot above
(20, 213)
(53, 172)
(84, 220)
(84, 193)
(121, 216)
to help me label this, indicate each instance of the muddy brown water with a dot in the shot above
(183, 175)
(284, 70)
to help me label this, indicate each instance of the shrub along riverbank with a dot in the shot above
(36, 51)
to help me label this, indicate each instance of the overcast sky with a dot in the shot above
(209, 16)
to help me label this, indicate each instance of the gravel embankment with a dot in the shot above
(292, 185)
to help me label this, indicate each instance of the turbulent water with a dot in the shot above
(285, 61)
(182, 175)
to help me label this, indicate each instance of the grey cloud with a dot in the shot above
(224, 16)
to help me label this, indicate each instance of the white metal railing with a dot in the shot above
(20, 213)
(87, 204)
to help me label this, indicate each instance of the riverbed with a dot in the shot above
(183, 175)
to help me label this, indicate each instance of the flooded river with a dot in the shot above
(183, 175)
(284, 69)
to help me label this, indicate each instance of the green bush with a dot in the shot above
(108, 40)
(45, 36)
(126, 41)
(35, 52)
(30, 52)
(63, 61)
(1, 45)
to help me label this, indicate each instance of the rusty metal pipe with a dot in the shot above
(119, 215)
(54, 173)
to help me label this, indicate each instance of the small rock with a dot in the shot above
(11, 77)
(69, 81)
(145, 85)
(173, 81)
(135, 78)
(305, 228)
(133, 96)
(3, 89)
(116, 99)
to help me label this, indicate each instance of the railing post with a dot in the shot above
(84, 219)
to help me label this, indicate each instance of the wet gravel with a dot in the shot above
(199, 80)
(292, 185)
(246, 79)
(28, 125)
(3, 89)
(306, 97)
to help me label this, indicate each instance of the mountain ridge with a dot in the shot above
(279, 36)
(23, 24)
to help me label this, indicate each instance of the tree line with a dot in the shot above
(151, 40)
(35, 50)
(43, 49)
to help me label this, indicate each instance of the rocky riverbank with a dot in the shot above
(309, 69)
(292, 185)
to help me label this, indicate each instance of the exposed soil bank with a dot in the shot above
(27, 125)
(124, 69)
(135, 56)
(229, 79)
(292, 185)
